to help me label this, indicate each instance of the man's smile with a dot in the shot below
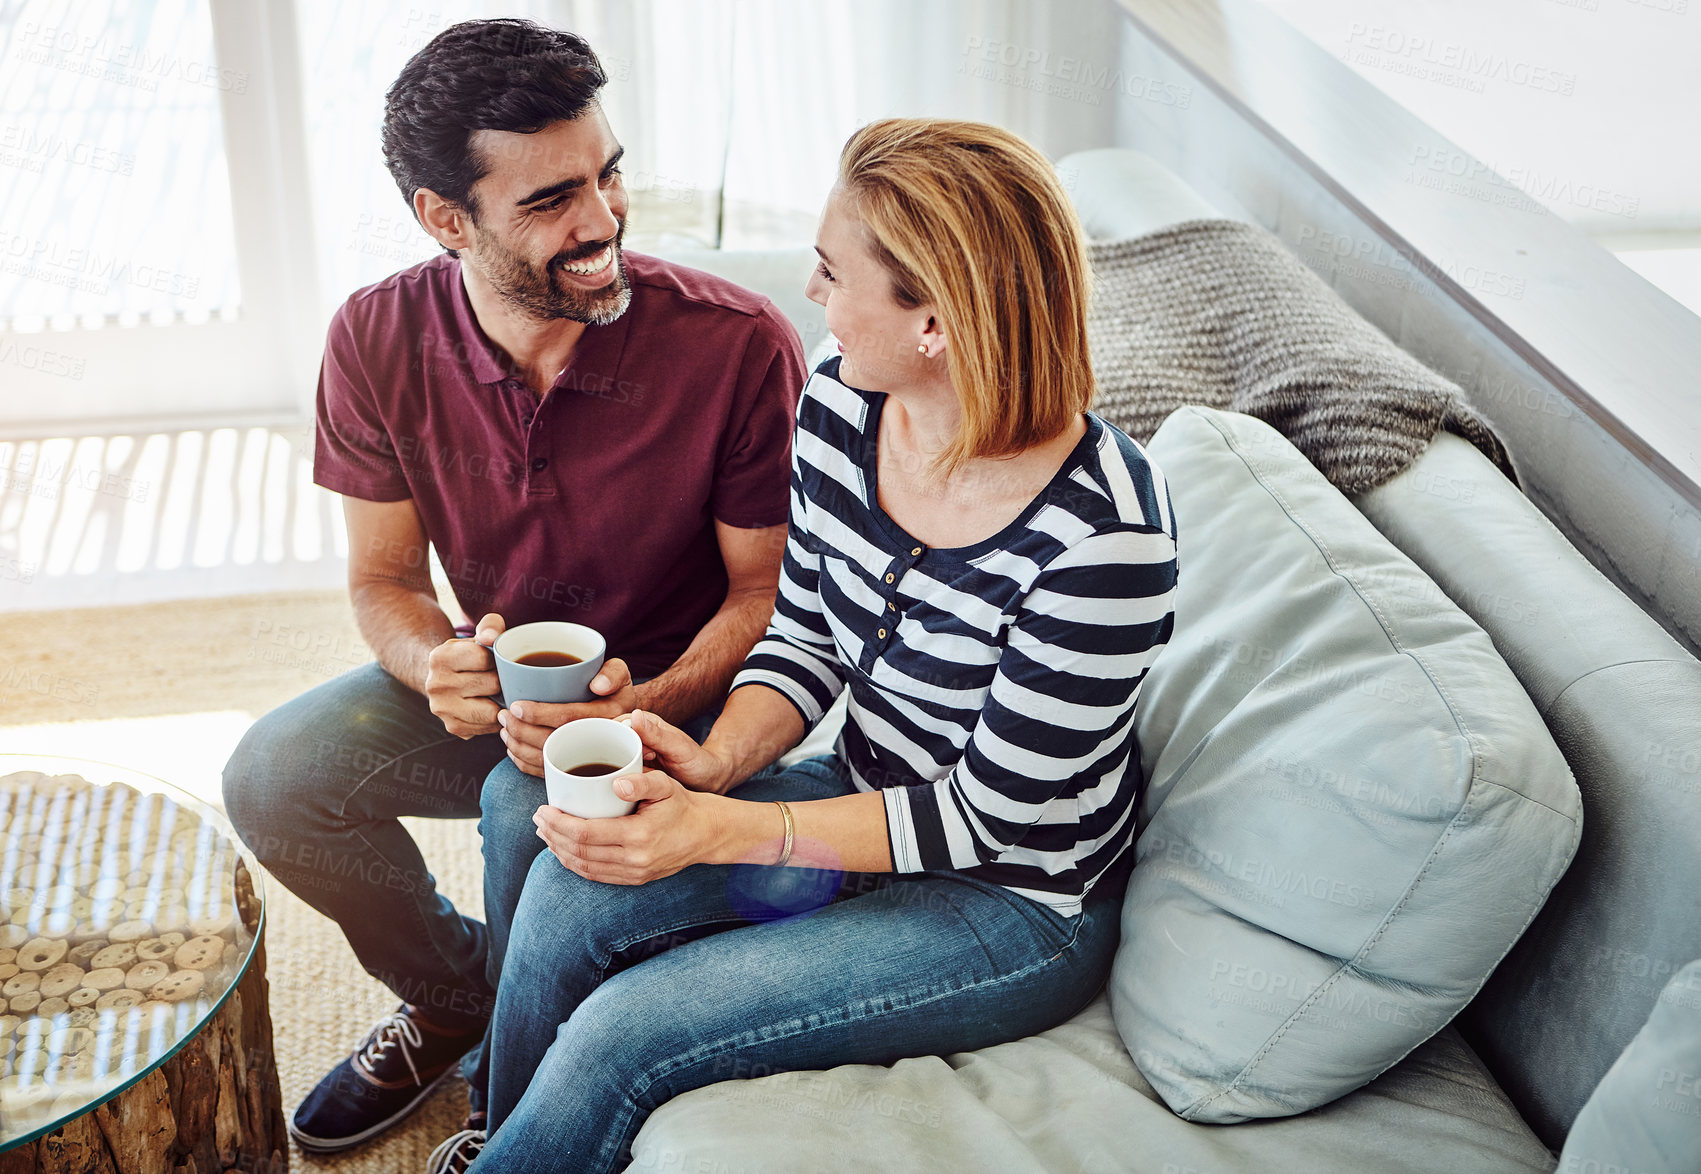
(590, 266)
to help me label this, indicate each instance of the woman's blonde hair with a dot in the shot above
(971, 220)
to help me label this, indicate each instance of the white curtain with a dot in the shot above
(732, 111)
(668, 98)
(808, 74)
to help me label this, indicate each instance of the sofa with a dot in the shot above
(1554, 1042)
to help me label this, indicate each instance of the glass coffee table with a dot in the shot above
(131, 974)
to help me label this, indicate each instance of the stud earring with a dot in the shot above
(922, 348)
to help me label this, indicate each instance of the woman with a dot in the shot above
(989, 569)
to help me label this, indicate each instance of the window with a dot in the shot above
(148, 260)
(1582, 107)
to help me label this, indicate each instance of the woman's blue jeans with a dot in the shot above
(509, 842)
(615, 998)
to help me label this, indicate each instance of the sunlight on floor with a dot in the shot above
(164, 515)
(186, 750)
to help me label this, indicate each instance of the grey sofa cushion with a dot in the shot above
(1645, 1116)
(1070, 1101)
(1120, 193)
(1622, 700)
(779, 273)
(1354, 808)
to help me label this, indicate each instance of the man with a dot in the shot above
(582, 434)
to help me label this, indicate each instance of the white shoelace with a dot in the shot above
(393, 1031)
(465, 1145)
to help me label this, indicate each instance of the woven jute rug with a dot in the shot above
(247, 653)
(323, 1003)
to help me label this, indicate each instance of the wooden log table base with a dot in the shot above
(214, 1106)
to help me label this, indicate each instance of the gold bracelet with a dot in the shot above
(785, 853)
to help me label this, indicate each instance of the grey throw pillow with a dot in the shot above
(1354, 809)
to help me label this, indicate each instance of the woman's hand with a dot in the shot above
(672, 829)
(670, 749)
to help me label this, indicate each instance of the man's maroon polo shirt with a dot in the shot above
(597, 502)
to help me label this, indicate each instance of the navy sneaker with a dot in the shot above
(387, 1077)
(457, 1152)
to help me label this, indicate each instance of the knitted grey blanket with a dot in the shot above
(1220, 313)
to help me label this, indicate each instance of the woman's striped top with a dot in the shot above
(992, 687)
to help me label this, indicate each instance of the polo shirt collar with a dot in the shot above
(486, 362)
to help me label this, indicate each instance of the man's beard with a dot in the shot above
(545, 292)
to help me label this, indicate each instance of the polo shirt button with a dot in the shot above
(881, 633)
(539, 464)
(889, 577)
(917, 550)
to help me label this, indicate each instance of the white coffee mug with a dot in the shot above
(594, 741)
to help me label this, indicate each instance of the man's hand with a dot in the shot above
(461, 680)
(526, 724)
(672, 829)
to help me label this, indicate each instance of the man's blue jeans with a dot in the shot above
(315, 788)
(616, 998)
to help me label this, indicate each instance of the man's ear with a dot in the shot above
(448, 224)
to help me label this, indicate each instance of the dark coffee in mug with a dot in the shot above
(548, 660)
(592, 769)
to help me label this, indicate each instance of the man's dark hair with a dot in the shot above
(506, 74)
